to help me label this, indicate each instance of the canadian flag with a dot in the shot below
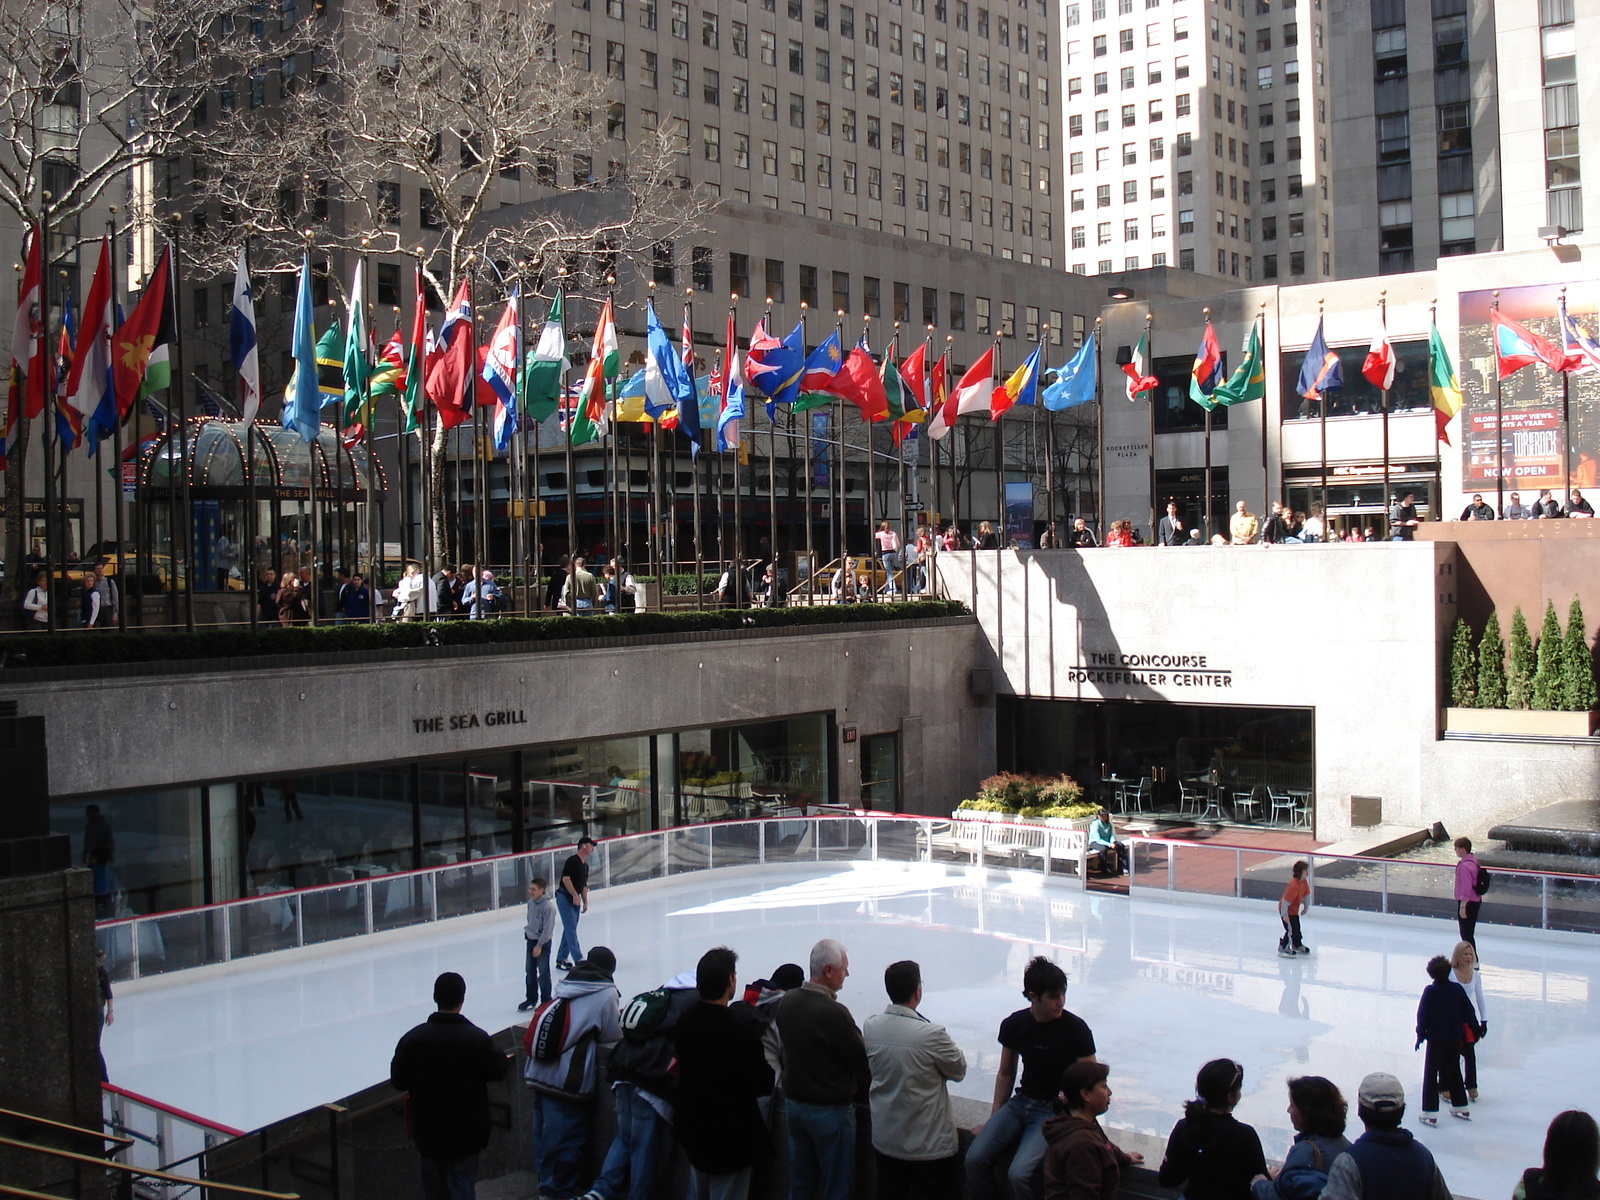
(1380, 362)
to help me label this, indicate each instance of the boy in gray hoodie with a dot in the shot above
(537, 933)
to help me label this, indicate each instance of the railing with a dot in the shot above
(1528, 899)
(158, 1136)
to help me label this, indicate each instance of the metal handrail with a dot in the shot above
(144, 1172)
(94, 1133)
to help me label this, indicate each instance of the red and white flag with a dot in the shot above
(1380, 361)
(972, 393)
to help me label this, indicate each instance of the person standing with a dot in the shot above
(537, 933)
(1242, 525)
(1444, 1019)
(1170, 530)
(1211, 1153)
(1464, 970)
(1046, 1039)
(1292, 904)
(824, 1061)
(722, 1076)
(1403, 519)
(1571, 1161)
(888, 554)
(100, 599)
(1469, 900)
(37, 601)
(267, 595)
(108, 1015)
(580, 591)
(445, 1066)
(1386, 1161)
(1080, 1161)
(912, 1060)
(572, 901)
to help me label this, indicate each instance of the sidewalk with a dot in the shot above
(1266, 837)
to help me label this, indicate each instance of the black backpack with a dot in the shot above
(1484, 881)
(642, 1016)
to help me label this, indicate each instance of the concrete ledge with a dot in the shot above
(1380, 841)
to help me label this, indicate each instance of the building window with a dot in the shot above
(902, 302)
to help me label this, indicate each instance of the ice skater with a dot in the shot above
(1292, 904)
(1444, 1018)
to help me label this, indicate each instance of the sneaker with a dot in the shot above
(1461, 1114)
(1429, 1119)
(525, 1006)
(563, 966)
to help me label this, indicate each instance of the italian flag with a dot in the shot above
(589, 422)
(1140, 380)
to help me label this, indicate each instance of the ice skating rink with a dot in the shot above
(1164, 983)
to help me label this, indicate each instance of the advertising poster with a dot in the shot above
(1535, 447)
(1019, 515)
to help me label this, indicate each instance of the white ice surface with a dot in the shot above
(1164, 983)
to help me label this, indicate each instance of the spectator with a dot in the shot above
(580, 591)
(1516, 510)
(823, 1062)
(888, 554)
(1467, 897)
(100, 599)
(1120, 534)
(1571, 1161)
(1103, 844)
(37, 600)
(986, 538)
(1276, 530)
(559, 572)
(445, 1066)
(1196, 538)
(1081, 1163)
(1444, 1019)
(1464, 970)
(912, 1058)
(1242, 527)
(1546, 507)
(562, 1070)
(107, 1010)
(99, 848)
(1385, 1161)
(1050, 539)
(627, 586)
(1315, 528)
(292, 607)
(1210, 1153)
(267, 595)
(537, 933)
(572, 901)
(1577, 506)
(759, 1009)
(1403, 519)
(1478, 510)
(642, 1090)
(1047, 1039)
(408, 594)
(1317, 1111)
(1170, 531)
(482, 596)
(722, 1076)
(1082, 536)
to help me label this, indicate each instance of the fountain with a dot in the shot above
(1559, 837)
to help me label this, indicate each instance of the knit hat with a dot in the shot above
(788, 976)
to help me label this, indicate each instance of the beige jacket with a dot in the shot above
(1243, 528)
(912, 1058)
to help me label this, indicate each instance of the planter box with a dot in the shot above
(1520, 722)
(647, 597)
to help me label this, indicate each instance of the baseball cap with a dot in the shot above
(1381, 1092)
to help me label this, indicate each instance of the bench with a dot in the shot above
(981, 838)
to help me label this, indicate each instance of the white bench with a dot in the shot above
(982, 837)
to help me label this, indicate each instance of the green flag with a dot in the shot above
(810, 400)
(357, 366)
(546, 366)
(1249, 380)
(330, 366)
(894, 388)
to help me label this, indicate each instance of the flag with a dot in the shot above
(779, 366)
(913, 372)
(356, 365)
(1320, 370)
(894, 388)
(1021, 387)
(416, 356)
(389, 372)
(1249, 380)
(28, 349)
(1206, 372)
(242, 340)
(140, 358)
(589, 422)
(858, 382)
(89, 383)
(686, 340)
(688, 417)
(69, 421)
(547, 364)
(1516, 347)
(500, 370)
(302, 399)
(449, 373)
(1442, 384)
(972, 393)
(1075, 382)
(330, 368)
(1137, 370)
(1580, 352)
(941, 401)
(1380, 362)
(667, 381)
(822, 364)
(732, 396)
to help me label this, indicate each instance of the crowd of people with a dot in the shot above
(724, 1073)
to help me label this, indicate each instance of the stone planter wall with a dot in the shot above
(1519, 722)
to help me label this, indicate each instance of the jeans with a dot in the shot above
(560, 1128)
(538, 973)
(449, 1178)
(570, 951)
(733, 1186)
(1015, 1132)
(822, 1149)
(891, 563)
(633, 1164)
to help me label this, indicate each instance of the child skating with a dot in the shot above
(1295, 900)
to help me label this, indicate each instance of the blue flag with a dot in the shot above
(1320, 372)
(1075, 382)
(667, 382)
(302, 399)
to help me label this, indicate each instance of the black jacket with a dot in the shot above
(721, 1075)
(1443, 1012)
(649, 1063)
(1213, 1155)
(446, 1064)
(824, 1059)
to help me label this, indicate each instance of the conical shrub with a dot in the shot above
(1577, 663)
(1519, 664)
(1492, 666)
(1463, 678)
(1547, 671)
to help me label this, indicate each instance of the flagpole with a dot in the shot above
(1150, 404)
(772, 484)
(736, 573)
(835, 454)
(424, 456)
(949, 437)
(533, 493)
(1383, 312)
(810, 468)
(1566, 407)
(177, 393)
(116, 439)
(1100, 431)
(251, 529)
(1049, 460)
(44, 366)
(1322, 422)
(999, 457)
(1499, 414)
(1266, 472)
(373, 507)
(1206, 312)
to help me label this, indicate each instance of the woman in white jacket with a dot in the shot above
(37, 601)
(1464, 970)
(408, 594)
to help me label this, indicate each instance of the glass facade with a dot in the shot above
(203, 843)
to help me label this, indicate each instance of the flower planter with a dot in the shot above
(1520, 722)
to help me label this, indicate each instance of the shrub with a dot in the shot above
(1065, 812)
(1463, 681)
(1577, 663)
(1492, 666)
(1519, 668)
(989, 806)
(1547, 671)
(1015, 792)
(1062, 791)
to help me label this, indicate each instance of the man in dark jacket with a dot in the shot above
(824, 1065)
(1386, 1162)
(446, 1065)
(722, 1074)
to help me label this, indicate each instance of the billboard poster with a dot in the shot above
(1550, 437)
(1019, 515)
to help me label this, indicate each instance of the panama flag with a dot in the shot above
(1137, 370)
(500, 370)
(1516, 347)
(1580, 352)
(1206, 372)
(89, 383)
(242, 340)
(1380, 362)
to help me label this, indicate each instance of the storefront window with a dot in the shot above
(764, 769)
(880, 772)
(1358, 397)
(323, 827)
(599, 788)
(149, 849)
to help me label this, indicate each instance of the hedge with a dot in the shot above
(103, 647)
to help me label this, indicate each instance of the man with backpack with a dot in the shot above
(643, 1090)
(563, 1042)
(1472, 881)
